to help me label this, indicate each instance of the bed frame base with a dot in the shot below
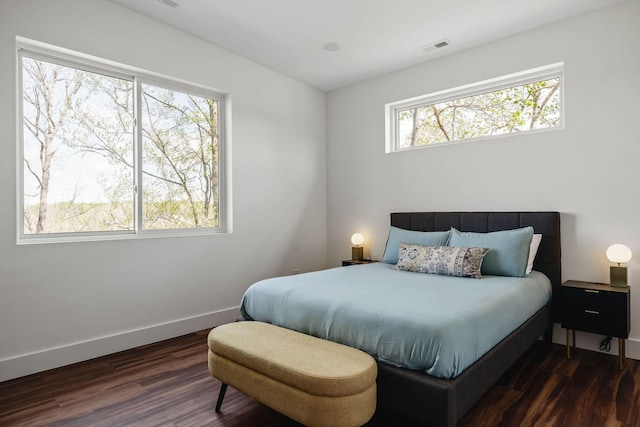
(440, 402)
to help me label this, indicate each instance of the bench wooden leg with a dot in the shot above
(223, 389)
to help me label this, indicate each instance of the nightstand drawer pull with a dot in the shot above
(592, 312)
(592, 291)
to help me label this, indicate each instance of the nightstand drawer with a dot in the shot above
(597, 308)
(596, 311)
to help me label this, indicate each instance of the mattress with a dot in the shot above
(425, 322)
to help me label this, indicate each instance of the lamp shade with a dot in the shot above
(619, 253)
(357, 239)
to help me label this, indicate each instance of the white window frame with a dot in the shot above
(37, 50)
(393, 109)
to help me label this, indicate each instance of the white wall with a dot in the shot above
(587, 171)
(60, 303)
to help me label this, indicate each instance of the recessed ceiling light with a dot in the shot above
(171, 3)
(331, 46)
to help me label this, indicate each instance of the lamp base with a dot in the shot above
(618, 276)
(357, 253)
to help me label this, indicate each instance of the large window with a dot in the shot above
(521, 102)
(106, 152)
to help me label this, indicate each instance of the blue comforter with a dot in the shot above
(436, 324)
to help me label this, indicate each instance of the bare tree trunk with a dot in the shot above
(43, 124)
(436, 113)
(536, 116)
(46, 155)
(213, 181)
(416, 127)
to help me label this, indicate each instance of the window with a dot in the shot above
(105, 152)
(517, 103)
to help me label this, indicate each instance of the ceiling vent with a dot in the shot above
(171, 3)
(436, 45)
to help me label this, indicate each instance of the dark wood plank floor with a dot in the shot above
(168, 384)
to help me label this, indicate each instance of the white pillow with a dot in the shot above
(533, 250)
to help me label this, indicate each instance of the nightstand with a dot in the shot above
(357, 262)
(597, 308)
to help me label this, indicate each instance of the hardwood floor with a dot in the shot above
(168, 384)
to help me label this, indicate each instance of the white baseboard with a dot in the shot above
(591, 342)
(32, 363)
(39, 361)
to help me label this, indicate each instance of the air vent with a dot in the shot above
(170, 3)
(435, 45)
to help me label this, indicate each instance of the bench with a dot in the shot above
(313, 381)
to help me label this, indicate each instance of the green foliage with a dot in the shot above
(74, 217)
(79, 146)
(180, 151)
(531, 106)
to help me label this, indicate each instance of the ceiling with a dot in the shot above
(374, 36)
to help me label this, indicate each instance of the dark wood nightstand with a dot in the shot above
(357, 262)
(597, 308)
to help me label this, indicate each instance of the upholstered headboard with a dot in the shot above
(548, 260)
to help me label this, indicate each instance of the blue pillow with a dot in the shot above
(400, 235)
(509, 249)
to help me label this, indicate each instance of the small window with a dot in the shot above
(523, 102)
(104, 153)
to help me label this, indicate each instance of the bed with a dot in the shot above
(420, 375)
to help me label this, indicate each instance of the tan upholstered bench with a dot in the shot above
(310, 380)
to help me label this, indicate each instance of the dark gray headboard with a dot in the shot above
(548, 260)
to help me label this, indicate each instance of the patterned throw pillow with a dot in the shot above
(444, 260)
